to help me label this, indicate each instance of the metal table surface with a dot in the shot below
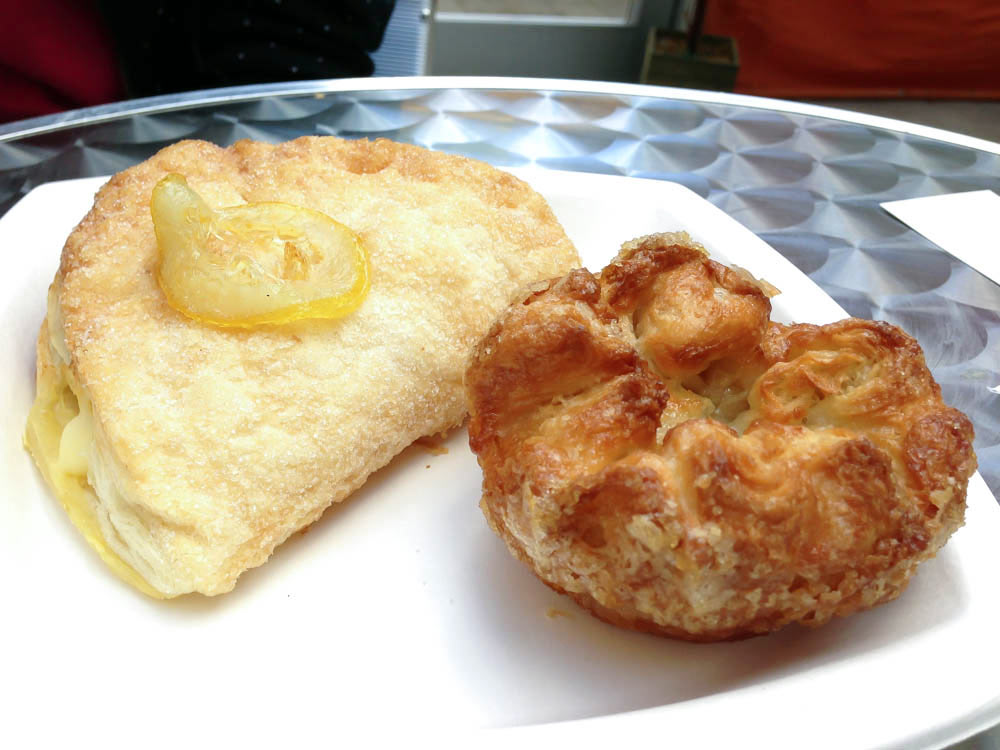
(806, 179)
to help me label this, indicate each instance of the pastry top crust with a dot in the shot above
(223, 442)
(653, 445)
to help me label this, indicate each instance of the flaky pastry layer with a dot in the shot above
(655, 447)
(211, 446)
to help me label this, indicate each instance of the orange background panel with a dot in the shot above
(859, 48)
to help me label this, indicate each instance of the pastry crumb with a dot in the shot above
(433, 444)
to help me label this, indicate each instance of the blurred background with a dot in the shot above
(935, 62)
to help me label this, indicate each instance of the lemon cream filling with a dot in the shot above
(60, 436)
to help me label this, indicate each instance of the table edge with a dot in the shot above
(188, 100)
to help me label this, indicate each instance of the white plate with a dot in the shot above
(401, 610)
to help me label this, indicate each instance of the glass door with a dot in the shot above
(584, 39)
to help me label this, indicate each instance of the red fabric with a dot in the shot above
(54, 55)
(857, 48)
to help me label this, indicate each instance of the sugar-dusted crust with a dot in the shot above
(214, 445)
(655, 447)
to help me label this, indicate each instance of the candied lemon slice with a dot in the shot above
(255, 264)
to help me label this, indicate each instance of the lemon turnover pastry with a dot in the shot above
(297, 315)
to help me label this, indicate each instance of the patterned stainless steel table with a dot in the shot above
(807, 179)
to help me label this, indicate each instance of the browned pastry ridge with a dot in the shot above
(655, 447)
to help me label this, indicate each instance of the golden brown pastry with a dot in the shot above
(655, 447)
(186, 452)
